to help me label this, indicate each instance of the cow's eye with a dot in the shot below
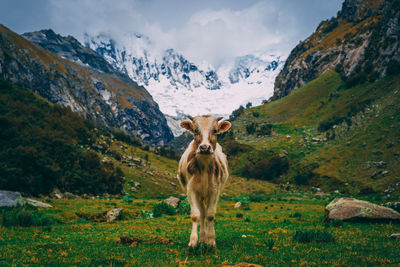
(215, 131)
(196, 131)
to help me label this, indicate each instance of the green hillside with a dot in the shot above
(41, 148)
(331, 136)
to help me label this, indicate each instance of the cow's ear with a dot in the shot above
(187, 125)
(224, 126)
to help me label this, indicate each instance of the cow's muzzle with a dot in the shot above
(205, 149)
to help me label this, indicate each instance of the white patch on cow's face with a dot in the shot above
(205, 134)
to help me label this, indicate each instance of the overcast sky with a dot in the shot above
(212, 30)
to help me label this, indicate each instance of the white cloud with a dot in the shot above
(214, 31)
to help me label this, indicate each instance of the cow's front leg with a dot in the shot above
(211, 211)
(203, 233)
(195, 215)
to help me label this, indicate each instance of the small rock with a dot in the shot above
(11, 199)
(315, 139)
(237, 205)
(56, 194)
(38, 203)
(244, 236)
(380, 164)
(395, 236)
(173, 201)
(114, 214)
(288, 136)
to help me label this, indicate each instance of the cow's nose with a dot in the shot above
(204, 148)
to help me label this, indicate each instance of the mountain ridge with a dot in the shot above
(109, 99)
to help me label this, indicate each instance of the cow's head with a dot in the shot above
(205, 130)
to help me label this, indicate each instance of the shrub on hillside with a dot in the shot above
(41, 147)
(267, 168)
(163, 208)
(265, 129)
(304, 174)
(124, 137)
(233, 148)
(251, 128)
(24, 216)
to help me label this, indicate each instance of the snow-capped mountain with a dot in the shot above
(181, 87)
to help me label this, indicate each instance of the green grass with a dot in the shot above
(367, 131)
(269, 237)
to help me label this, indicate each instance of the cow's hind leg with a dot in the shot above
(195, 215)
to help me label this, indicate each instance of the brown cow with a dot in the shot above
(202, 172)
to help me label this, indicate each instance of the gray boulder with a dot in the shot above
(11, 199)
(350, 208)
(173, 201)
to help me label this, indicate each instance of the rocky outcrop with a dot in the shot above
(353, 209)
(11, 199)
(82, 80)
(361, 43)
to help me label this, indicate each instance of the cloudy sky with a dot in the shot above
(212, 30)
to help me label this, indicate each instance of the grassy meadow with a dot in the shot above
(263, 232)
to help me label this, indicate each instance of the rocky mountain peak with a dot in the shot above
(361, 43)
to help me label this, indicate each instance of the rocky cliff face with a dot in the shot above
(361, 43)
(77, 77)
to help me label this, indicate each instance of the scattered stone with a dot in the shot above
(288, 136)
(37, 203)
(315, 139)
(380, 164)
(244, 236)
(243, 264)
(379, 174)
(336, 191)
(173, 201)
(11, 199)
(237, 205)
(133, 189)
(395, 236)
(56, 194)
(316, 189)
(114, 214)
(350, 208)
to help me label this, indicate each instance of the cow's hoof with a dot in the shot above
(212, 243)
(203, 238)
(193, 242)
